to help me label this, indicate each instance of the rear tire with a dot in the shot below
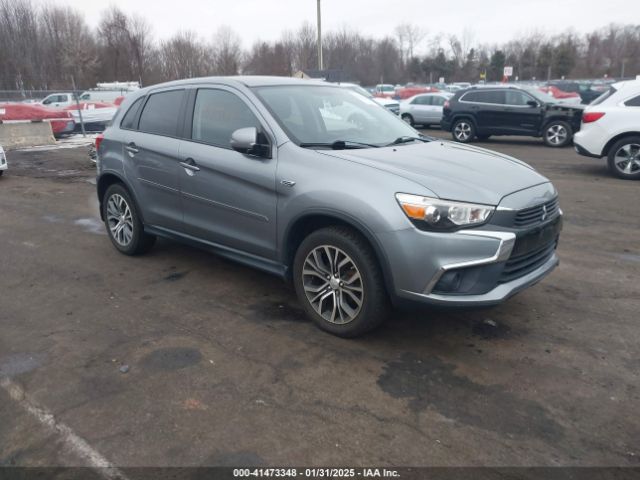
(557, 134)
(624, 158)
(463, 130)
(408, 119)
(339, 282)
(123, 222)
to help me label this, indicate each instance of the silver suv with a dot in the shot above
(322, 186)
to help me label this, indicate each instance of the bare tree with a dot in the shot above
(226, 51)
(184, 56)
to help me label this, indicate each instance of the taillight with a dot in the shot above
(588, 117)
(446, 104)
(99, 139)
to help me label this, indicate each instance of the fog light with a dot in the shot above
(449, 282)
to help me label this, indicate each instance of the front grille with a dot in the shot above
(539, 213)
(519, 265)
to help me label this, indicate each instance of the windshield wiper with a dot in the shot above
(340, 145)
(407, 139)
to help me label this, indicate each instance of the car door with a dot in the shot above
(229, 198)
(520, 117)
(54, 100)
(420, 106)
(488, 107)
(437, 104)
(151, 150)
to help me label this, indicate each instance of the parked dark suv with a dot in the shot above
(484, 111)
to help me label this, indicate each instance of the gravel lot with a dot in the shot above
(181, 358)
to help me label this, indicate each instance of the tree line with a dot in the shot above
(52, 47)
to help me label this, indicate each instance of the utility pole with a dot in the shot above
(320, 66)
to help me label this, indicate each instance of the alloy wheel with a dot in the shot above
(333, 285)
(556, 134)
(627, 159)
(462, 131)
(120, 220)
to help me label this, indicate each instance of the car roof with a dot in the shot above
(246, 80)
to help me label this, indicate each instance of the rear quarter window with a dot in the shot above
(130, 117)
(161, 113)
(633, 102)
(604, 96)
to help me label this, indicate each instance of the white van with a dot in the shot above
(109, 91)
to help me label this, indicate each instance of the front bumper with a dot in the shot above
(473, 267)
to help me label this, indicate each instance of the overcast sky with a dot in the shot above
(491, 21)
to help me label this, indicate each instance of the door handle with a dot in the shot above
(132, 149)
(190, 165)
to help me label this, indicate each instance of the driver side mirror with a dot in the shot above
(532, 103)
(249, 141)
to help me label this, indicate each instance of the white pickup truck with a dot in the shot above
(59, 100)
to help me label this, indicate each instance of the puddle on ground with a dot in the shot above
(91, 225)
(172, 358)
(174, 277)
(19, 363)
(278, 311)
(52, 218)
(428, 382)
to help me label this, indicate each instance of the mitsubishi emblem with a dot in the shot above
(544, 213)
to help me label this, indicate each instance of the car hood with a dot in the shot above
(567, 107)
(385, 101)
(450, 170)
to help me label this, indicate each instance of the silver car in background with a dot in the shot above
(323, 187)
(424, 109)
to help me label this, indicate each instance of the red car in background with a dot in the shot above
(561, 95)
(408, 92)
(62, 121)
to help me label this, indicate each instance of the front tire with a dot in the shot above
(339, 282)
(557, 134)
(463, 130)
(123, 222)
(407, 118)
(624, 158)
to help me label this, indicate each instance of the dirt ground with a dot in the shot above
(180, 358)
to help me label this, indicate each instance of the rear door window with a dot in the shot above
(515, 97)
(161, 113)
(437, 101)
(488, 96)
(217, 114)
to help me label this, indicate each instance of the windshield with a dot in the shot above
(360, 90)
(327, 114)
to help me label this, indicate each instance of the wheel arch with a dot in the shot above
(308, 222)
(616, 139)
(467, 116)
(110, 178)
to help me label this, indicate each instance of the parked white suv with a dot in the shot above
(3, 161)
(611, 128)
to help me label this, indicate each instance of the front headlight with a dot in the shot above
(436, 214)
